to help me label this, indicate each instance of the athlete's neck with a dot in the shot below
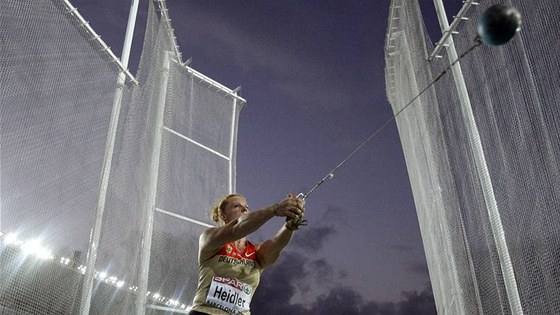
(241, 244)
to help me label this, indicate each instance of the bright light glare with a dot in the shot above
(65, 261)
(34, 247)
(173, 302)
(11, 239)
(82, 269)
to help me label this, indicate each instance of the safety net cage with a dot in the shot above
(482, 148)
(106, 179)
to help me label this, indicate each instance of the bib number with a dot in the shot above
(230, 295)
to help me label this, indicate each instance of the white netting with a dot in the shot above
(57, 90)
(514, 95)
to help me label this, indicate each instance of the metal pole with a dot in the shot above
(482, 170)
(152, 179)
(106, 170)
(129, 32)
(231, 186)
(450, 30)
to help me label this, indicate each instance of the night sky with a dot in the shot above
(312, 73)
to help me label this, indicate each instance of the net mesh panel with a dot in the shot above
(56, 91)
(57, 88)
(513, 90)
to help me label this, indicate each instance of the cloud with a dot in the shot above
(301, 284)
(415, 267)
(415, 303)
(324, 273)
(312, 238)
(340, 300)
(280, 286)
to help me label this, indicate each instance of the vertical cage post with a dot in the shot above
(152, 194)
(95, 235)
(482, 170)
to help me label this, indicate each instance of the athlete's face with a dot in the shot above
(235, 208)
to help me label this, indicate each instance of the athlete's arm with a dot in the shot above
(269, 251)
(212, 239)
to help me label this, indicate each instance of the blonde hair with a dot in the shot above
(220, 207)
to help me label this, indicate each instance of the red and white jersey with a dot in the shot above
(228, 280)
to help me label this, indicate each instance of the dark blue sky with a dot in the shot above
(313, 76)
(312, 73)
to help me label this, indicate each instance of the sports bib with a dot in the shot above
(230, 295)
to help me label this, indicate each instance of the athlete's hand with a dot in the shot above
(294, 223)
(291, 208)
